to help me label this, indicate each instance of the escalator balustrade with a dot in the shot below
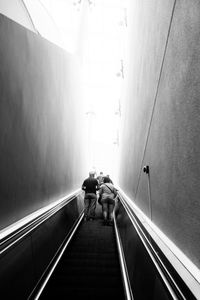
(89, 268)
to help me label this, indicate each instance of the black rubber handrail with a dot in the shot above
(124, 271)
(171, 279)
(16, 235)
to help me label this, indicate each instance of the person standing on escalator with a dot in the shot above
(108, 194)
(100, 178)
(90, 186)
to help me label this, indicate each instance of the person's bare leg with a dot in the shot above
(105, 212)
(110, 211)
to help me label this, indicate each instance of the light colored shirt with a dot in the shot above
(107, 190)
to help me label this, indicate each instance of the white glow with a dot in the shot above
(94, 31)
(103, 53)
(57, 21)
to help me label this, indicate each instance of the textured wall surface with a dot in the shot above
(40, 122)
(161, 118)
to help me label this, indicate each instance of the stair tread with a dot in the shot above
(89, 268)
(85, 293)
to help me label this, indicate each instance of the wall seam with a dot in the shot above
(156, 94)
(30, 17)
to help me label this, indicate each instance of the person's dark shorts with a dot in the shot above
(91, 196)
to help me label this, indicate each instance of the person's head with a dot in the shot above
(91, 174)
(101, 173)
(106, 179)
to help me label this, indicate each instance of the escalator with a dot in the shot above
(89, 268)
(112, 262)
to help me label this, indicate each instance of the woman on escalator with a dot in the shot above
(107, 193)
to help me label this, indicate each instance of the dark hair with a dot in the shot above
(106, 179)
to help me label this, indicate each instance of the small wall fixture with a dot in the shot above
(146, 169)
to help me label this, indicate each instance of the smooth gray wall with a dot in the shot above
(40, 122)
(161, 118)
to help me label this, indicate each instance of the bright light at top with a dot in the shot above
(95, 31)
(105, 28)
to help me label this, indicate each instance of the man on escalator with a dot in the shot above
(90, 186)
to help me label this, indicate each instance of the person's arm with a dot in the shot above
(115, 191)
(100, 196)
(100, 191)
(83, 186)
(97, 185)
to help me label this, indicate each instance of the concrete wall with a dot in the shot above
(160, 118)
(40, 122)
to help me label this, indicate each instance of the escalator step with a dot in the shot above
(84, 293)
(109, 261)
(89, 269)
(90, 255)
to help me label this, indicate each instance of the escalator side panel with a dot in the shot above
(47, 238)
(144, 278)
(22, 265)
(17, 271)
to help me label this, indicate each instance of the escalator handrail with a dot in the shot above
(41, 284)
(162, 269)
(15, 232)
(125, 277)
